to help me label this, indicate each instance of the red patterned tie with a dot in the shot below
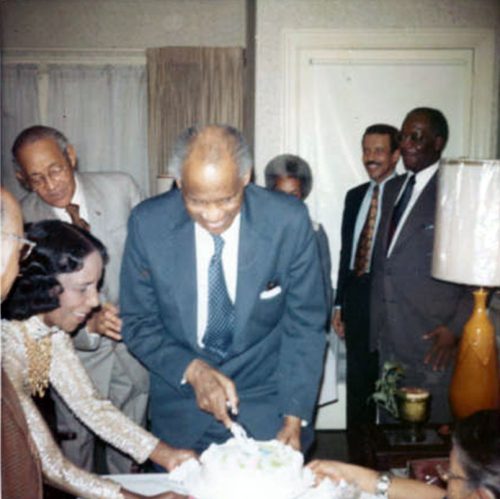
(74, 212)
(362, 259)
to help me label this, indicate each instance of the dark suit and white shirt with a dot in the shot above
(273, 277)
(422, 178)
(204, 250)
(406, 302)
(352, 297)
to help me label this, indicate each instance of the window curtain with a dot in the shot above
(19, 94)
(102, 111)
(187, 86)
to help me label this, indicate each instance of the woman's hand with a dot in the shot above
(170, 457)
(364, 478)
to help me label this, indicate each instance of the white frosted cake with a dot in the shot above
(248, 469)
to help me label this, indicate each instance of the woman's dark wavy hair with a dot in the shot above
(60, 249)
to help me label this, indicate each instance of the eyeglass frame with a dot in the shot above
(55, 173)
(26, 242)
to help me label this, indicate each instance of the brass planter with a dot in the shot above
(414, 406)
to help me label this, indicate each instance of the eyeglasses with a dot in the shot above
(39, 181)
(27, 245)
(416, 137)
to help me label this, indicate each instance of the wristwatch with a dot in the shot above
(383, 484)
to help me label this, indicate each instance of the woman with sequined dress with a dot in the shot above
(54, 294)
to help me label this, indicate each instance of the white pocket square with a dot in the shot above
(270, 293)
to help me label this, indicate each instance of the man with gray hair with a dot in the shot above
(223, 301)
(101, 203)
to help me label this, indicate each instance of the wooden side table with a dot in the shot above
(383, 447)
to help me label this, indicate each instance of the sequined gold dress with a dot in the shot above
(68, 377)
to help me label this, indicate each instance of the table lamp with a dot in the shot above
(467, 251)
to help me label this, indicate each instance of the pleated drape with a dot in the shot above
(187, 86)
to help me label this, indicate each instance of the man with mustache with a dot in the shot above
(359, 227)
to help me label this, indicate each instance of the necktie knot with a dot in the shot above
(73, 211)
(218, 245)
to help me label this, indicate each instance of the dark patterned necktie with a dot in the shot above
(73, 211)
(400, 207)
(363, 251)
(221, 315)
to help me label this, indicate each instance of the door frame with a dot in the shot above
(300, 45)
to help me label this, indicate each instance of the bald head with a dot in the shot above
(12, 227)
(210, 143)
(213, 168)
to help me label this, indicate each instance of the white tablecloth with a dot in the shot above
(155, 483)
(147, 483)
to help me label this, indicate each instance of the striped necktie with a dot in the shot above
(73, 211)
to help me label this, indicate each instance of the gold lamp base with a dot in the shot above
(476, 379)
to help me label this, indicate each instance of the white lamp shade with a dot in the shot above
(467, 228)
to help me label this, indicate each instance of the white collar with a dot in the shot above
(423, 176)
(230, 233)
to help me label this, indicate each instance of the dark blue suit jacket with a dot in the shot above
(352, 203)
(276, 356)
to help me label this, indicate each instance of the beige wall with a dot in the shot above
(127, 24)
(133, 24)
(275, 15)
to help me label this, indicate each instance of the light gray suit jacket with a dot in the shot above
(406, 301)
(109, 198)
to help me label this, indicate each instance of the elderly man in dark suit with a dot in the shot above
(416, 320)
(222, 299)
(360, 222)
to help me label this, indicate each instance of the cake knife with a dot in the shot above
(236, 428)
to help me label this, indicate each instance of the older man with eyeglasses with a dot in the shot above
(100, 203)
(414, 319)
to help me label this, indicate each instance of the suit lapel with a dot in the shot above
(354, 206)
(252, 253)
(41, 211)
(422, 213)
(93, 202)
(184, 275)
(391, 191)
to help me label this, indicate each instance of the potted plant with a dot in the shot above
(387, 387)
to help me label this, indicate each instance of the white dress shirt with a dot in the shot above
(78, 199)
(422, 178)
(204, 245)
